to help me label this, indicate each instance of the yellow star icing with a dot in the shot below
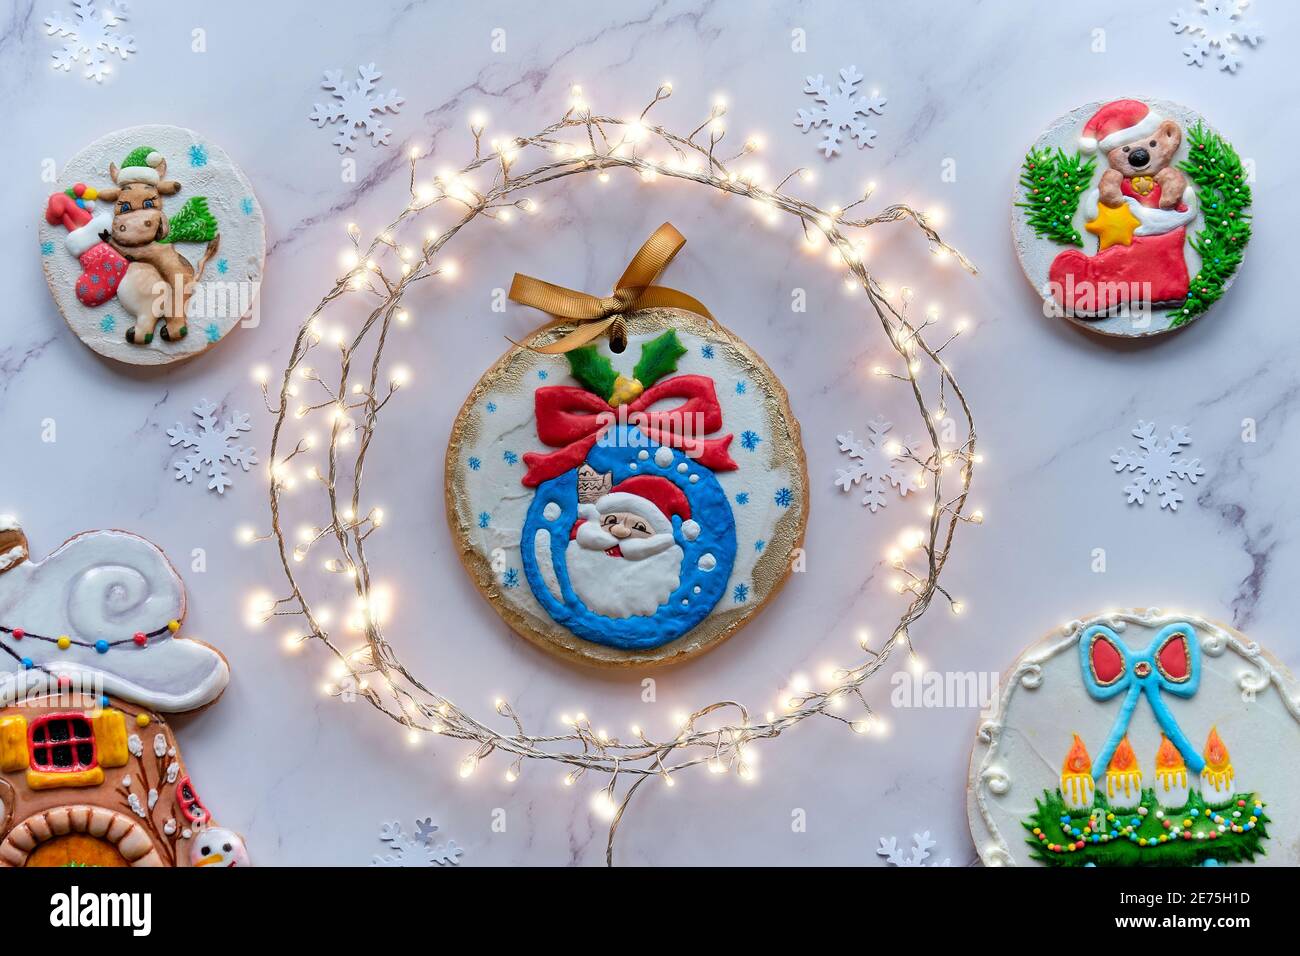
(1113, 225)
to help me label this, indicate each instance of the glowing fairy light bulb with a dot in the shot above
(468, 766)
(350, 259)
(246, 535)
(603, 806)
(413, 737)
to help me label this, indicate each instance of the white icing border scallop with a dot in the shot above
(987, 776)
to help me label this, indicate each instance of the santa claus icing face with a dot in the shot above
(622, 558)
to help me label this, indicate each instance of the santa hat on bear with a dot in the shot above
(654, 498)
(140, 166)
(1118, 122)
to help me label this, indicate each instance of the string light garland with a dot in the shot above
(350, 397)
(64, 641)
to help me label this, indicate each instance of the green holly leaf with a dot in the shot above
(593, 370)
(658, 358)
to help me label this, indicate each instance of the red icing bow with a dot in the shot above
(573, 419)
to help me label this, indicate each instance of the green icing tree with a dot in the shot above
(1052, 183)
(193, 223)
(1213, 165)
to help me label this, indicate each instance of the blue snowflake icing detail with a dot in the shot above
(511, 578)
(107, 324)
(740, 593)
(509, 457)
(246, 205)
(47, 248)
(706, 351)
(491, 407)
(198, 155)
(749, 440)
(474, 464)
(740, 388)
(543, 374)
(742, 498)
(484, 519)
(212, 332)
(760, 544)
(784, 497)
(223, 266)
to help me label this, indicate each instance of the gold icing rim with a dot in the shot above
(771, 571)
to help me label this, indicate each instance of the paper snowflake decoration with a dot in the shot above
(90, 35)
(1158, 465)
(921, 845)
(422, 849)
(878, 464)
(359, 107)
(1216, 28)
(211, 447)
(840, 111)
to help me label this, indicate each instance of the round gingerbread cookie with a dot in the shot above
(1139, 738)
(629, 509)
(1131, 217)
(153, 248)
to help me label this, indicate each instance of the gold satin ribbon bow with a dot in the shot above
(593, 314)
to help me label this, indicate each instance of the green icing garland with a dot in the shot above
(1231, 846)
(1052, 182)
(1214, 166)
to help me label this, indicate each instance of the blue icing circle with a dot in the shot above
(697, 591)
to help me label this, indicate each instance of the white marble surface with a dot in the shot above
(309, 779)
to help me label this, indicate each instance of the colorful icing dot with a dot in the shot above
(139, 638)
(27, 663)
(142, 720)
(64, 642)
(18, 633)
(173, 626)
(101, 645)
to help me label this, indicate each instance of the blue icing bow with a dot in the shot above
(1172, 662)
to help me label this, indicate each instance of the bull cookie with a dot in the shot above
(153, 248)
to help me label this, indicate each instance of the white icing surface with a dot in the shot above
(1043, 703)
(242, 247)
(9, 523)
(12, 557)
(108, 584)
(495, 487)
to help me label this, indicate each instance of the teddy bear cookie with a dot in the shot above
(1132, 217)
(154, 247)
(91, 656)
(629, 508)
(1139, 738)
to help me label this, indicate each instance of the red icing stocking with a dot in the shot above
(1152, 270)
(103, 266)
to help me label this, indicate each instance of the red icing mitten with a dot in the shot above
(103, 266)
